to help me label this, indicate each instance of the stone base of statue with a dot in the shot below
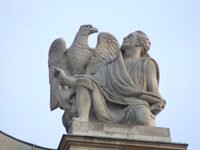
(102, 136)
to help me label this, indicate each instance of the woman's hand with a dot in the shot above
(59, 74)
(62, 78)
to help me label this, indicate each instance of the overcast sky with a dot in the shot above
(27, 29)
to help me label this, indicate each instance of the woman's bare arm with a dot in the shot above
(60, 75)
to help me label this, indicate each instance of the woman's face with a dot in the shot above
(130, 41)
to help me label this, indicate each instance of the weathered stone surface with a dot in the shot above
(74, 142)
(145, 133)
(106, 84)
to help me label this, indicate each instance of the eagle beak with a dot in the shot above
(93, 30)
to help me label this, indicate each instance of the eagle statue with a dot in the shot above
(79, 58)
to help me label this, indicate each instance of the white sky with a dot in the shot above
(27, 29)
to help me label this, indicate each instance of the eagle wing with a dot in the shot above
(56, 59)
(106, 50)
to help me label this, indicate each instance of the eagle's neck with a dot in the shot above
(80, 41)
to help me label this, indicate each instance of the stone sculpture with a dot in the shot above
(106, 84)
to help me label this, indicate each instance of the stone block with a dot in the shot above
(77, 142)
(120, 131)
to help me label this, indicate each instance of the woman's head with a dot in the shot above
(143, 42)
(135, 39)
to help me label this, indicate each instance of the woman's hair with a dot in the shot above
(144, 42)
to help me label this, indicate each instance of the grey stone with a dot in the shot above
(145, 133)
(106, 84)
(77, 142)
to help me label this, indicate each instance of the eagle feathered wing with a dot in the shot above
(106, 50)
(56, 59)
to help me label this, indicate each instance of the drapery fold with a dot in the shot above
(115, 90)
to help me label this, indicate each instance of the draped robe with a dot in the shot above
(115, 90)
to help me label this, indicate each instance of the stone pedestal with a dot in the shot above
(101, 136)
(120, 131)
(75, 142)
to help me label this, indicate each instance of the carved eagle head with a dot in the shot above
(81, 39)
(87, 30)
